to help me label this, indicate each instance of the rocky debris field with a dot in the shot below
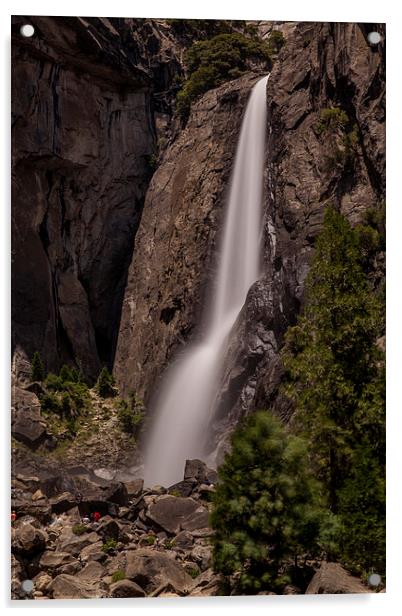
(147, 542)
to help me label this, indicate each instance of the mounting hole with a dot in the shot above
(27, 586)
(27, 30)
(374, 579)
(374, 38)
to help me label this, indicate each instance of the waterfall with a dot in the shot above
(189, 387)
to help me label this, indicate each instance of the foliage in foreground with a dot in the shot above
(267, 506)
(336, 380)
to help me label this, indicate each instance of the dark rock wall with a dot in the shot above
(82, 137)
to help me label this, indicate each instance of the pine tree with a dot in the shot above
(105, 384)
(335, 378)
(37, 368)
(267, 505)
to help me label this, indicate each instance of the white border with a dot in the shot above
(291, 10)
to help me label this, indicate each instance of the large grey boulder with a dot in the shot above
(150, 569)
(72, 587)
(63, 502)
(27, 424)
(52, 561)
(197, 470)
(332, 579)
(92, 572)
(28, 540)
(134, 488)
(73, 544)
(126, 588)
(176, 513)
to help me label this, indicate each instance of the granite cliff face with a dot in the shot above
(321, 66)
(93, 115)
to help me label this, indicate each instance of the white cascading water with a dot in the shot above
(183, 407)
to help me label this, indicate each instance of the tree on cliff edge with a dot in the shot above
(266, 508)
(335, 377)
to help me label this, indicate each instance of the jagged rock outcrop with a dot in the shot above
(83, 134)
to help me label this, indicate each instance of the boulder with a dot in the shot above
(126, 588)
(93, 552)
(71, 587)
(27, 482)
(16, 577)
(205, 584)
(38, 495)
(134, 488)
(28, 540)
(42, 581)
(195, 469)
(199, 471)
(184, 540)
(183, 488)
(93, 572)
(332, 579)
(73, 544)
(40, 509)
(202, 555)
(63, 502)
(109, 529)
(51, 561)
(27, 424)
(174, 513)
(150, 569)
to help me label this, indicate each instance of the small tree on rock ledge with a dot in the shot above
(105, 384)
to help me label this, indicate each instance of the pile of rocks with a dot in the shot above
(148, 542)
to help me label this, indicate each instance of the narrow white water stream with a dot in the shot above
(184, 401)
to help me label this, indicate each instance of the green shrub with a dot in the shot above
(211, 62)
(343, 146)
(169, 544)
(37, 368)
(266, 507)
(276, 41)
(79, 529)
(130, 414)
(332, 118)
(105, 384)
(109, 546)
(118, 575)
(66, 395)
(193, 573)
(151, 539)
